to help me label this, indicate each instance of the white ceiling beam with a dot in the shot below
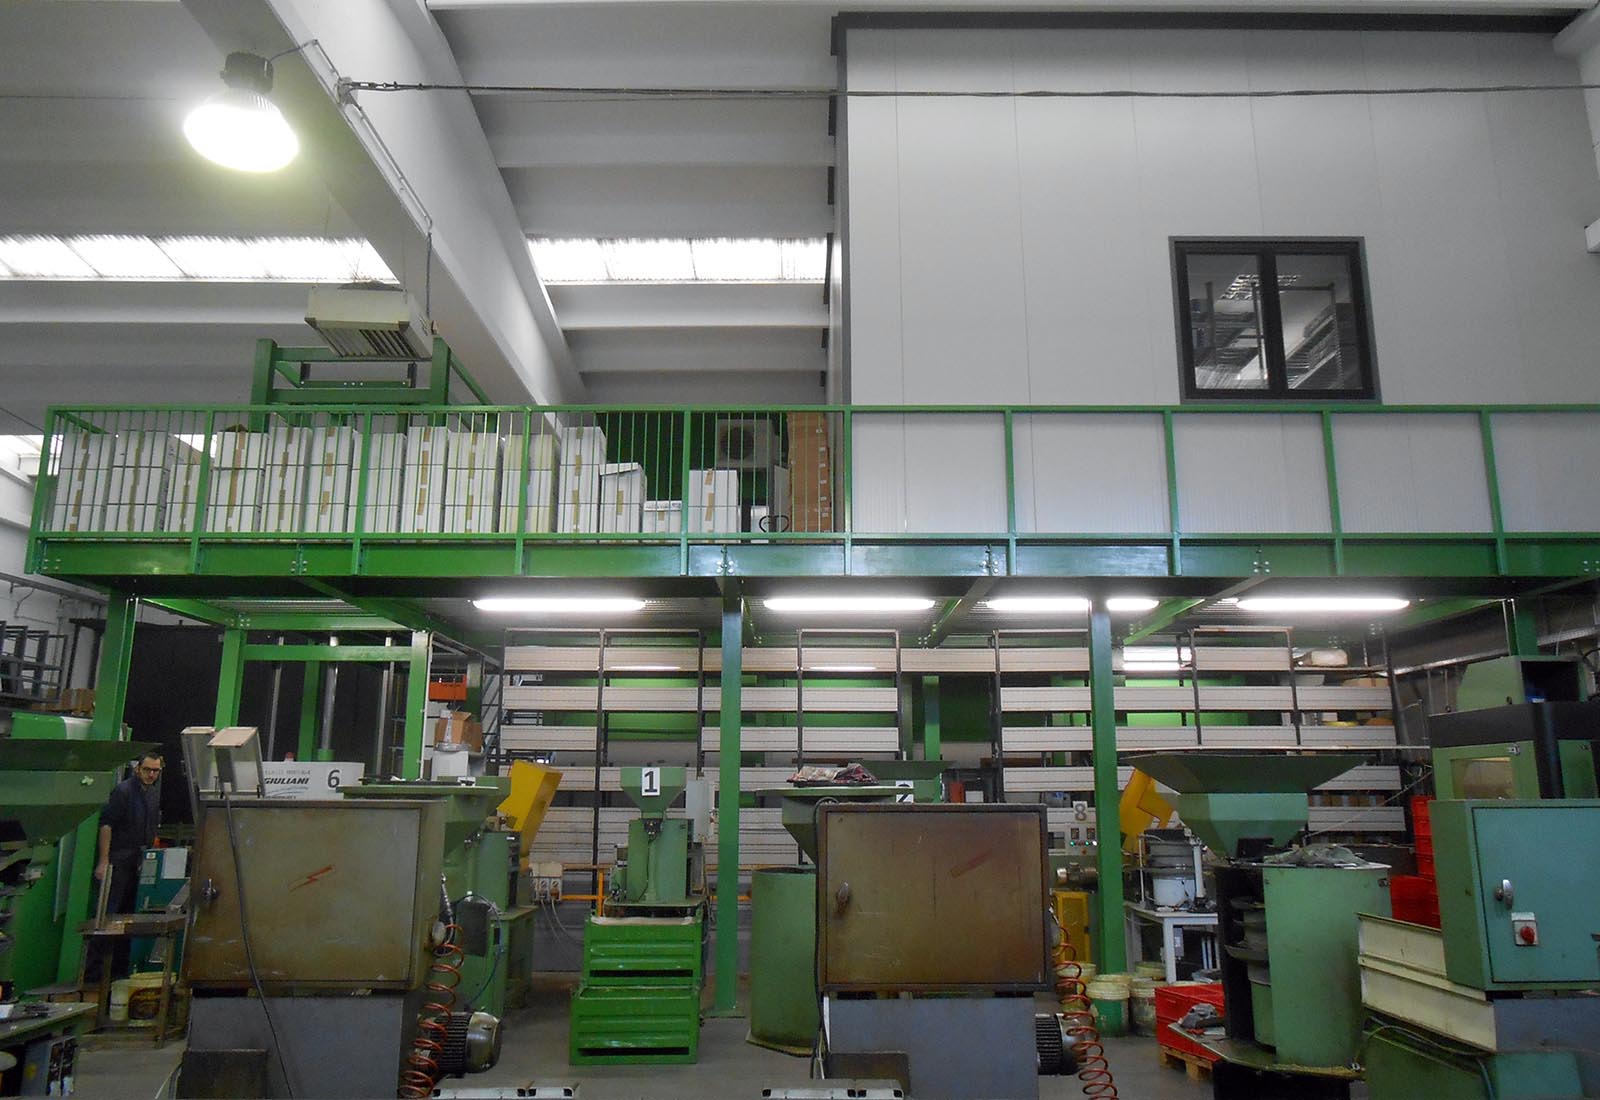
(671, 202)
(683, 387)
(125, 303)
(527, 133)
(729, 351)
(590, 306)
(1356, 7)
(396, 162)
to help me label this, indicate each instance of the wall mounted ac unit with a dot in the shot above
(368, 321)
(746, 445)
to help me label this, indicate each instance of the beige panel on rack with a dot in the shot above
(1238, 658)
(1357, 819)
(544, 697)
(1367, 777)
(516, 738)
(578, 779)
(1044, 698)
(819, 739)
(567, 836)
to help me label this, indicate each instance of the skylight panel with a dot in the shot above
(125, 257)
(680, 260)
(192, 258)
(43, 258)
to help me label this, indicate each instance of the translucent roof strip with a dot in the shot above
(191, 259)
(679, 259)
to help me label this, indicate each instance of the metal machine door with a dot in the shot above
(1545, 855)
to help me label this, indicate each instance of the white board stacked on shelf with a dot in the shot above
(622, 493)
(284, 493)
(714, 501)
(331, 461)
(237, 471)
(386, 470)
(583, 453)
(185, 492)
(140, 479)
(662, 517)
(539, 485)
(473, 482)
(422, 502)
(83, 475)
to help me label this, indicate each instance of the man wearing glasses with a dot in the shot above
(127, 827)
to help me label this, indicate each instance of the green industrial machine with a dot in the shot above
(163, 873)
(52, 781)
(639, 996)
(483, 856)
(1287, 920)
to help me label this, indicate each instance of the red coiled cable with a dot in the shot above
(421, 1073)
(1093, 1069)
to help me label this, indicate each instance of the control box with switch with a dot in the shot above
(1525, 929)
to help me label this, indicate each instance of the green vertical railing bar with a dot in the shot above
(684, 505)
(363, 478)
(1491, 476)
(416, 705)
(43, 493)
(1170, 452)
(1113, 950)
(521, 486)
(731, 706)
(111, 677)
(310, 697)
(230, 681)
(202, 495)
(932, 736)
(1330, 466)
(847, 521)
(1011, 493)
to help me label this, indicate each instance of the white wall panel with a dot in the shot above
(1418, 472)
(1251, 473)
(929, 474)
(1080, 473)
(1547, 468)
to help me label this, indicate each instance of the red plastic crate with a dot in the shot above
(1172, 1004)
(1415, 899)
(1425, 864)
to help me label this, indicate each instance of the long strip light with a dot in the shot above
(112, 257)
(1155, 658)
(559, 605)
(1025, 605)
(846, 604)
(1332, 605)
(679, 259)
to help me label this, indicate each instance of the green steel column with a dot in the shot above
(932, 743)
(111, 678)
(230, 684)
(1522, 631)
(1113, 951)
(80, 889)
(310, 693)
(474, 701)
(416, 705)
(725, 998)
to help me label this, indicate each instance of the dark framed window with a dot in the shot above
(1273, 319)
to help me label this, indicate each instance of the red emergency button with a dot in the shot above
(1527, 935)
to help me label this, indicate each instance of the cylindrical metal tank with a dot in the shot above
(783, 947)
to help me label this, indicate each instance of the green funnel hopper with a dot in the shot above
(654, 789)
(47, 786)
(1232, 799)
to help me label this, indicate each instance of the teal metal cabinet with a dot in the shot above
(1519, 892)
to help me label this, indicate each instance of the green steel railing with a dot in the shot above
(164, 474)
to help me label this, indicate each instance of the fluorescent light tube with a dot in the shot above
(1037, 604)
(801, 604)
(842, 668)
(559, 605)
(1131, 603)
(1334, 605)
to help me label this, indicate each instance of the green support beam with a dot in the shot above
(1436, 611)
(1113, 952)
(230, 684)
(955, 610)
(402, 613)
(932, 737)
(1169, 612)
(726, 973)
(1522, 629)
(417, 705)
(198, 610)
(111, 678)
(310, 697)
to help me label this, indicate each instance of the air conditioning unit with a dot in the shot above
(368, 321)
(746, 445)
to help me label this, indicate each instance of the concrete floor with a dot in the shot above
(535, 1051)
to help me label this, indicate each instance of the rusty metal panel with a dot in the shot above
(337, 895)
(931, 898)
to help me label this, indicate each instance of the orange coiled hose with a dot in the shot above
(421, 1072)
(1093, 1070)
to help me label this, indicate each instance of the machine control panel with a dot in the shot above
(1525, 929)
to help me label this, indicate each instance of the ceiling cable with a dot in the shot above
(565, 92)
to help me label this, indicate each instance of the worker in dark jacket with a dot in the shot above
(127, 827)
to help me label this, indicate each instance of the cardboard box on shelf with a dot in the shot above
(473, 482)
(458, 727)
(332, 459)
(184, 493)
(539, 485)
(237, 472)
(386, 470)
(662, 517)
(84, 474)
(284, 491)
(140, 479)
(423, 493)
(622, 492)
(714, 501)
(811, 473)
(583, 452)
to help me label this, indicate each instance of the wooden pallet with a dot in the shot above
(1198, 1069)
